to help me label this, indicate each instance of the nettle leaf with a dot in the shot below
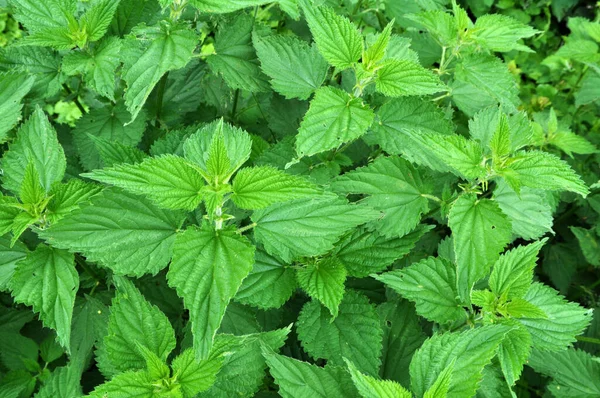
(207, 270)
(324, 281)
(13, 87)
(269, 284)
(169, 180)
(394, 187)
(513, 271)
(63, 382)
(514, 352)
(308, 226)
(574, 373)
(538, 169)
(402, 121)
(431, 285)
(11, 255)
(470, 352)
(588, 242)
(37, 15)
(36, 142)
(128, 384)
(440, 24)
(259, 187)
(334, 117)
(132, 321)
(296, 69)
(235, 58)
(97, 65)
(196, 376)
(68, 196)
(501, 33)
(112, 153)
(219, 7)
(338, 39)
(565, 319)
(124, 232)
(364, 252)
(491, 76)
(480, 231)
(219, 149)
(98, 17)
(244, 366)
(529, 210)
(442, 383)
(570, 143)
(297, 379)
(370, 387)
(107, 123)
(397, 78)
(47, 280)
(354, 334)
(171, 48)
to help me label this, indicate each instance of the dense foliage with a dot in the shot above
(299, 198)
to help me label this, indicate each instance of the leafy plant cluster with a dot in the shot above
(299, 198)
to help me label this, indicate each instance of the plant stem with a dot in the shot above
(75, 99)
(586, 339)
(246, 228)
(160, 93)
(236, 96)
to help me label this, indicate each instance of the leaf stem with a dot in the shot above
(236, 97)
(586, 339)
(160, 94)
(75, 99)
(246, 228)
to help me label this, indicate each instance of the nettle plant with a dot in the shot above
(253, 198)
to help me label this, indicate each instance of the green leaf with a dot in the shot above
(127, 384)
(513, 272)
(574, 373)
(538, 169)
(500, 141)
(169, 181)
(480, 231)
(97, 18)
(124, 232)
(269, 284)
(370, 387)
(207, 270)
(324, 281)
(470, 352)
(513, 353)
(565, 319)
(106, 123)
(338, 39)
(243, 371)
(59, 38)
(259, 187)
(491, 76)
(113, 153)
(431, 284)
(588, 91)
(98, 66)
(520, 308)
(219, 7)
(31, 191)
(195, 376)
(334, 117)
(296, 69)
(402, 121)
(36, 142)
(394, 187)
(235, 58)
(63, 382)
(297, 379)
(397, 78)
(529, 211)
(16, 351)
(13, 87)
(47, 280)
(588, 242)
(36, 15)
(9, 258)
(439, 389)
(570, 143)
(402, 336)
(498, 32)
(134, 320)
(89, 325)
(237, 145)
(486, 122)
(354, 334)
(440, 24)
(68, 197)
(377, 49)
(171, 48)
(307, 227)
(364, 252)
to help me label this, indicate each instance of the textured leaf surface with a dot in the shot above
(169, 180)
(207, 270)
(480, 231)
(259, 187)
(295, 68)
(372, 388)
(334, 117)
(36, 142)
(565, 319)
(127, 384)
(338, 40)
(394, 187)
(9, 258)
(500, 33)
(354, 334)
(324, 281)
(13, 87)
(431, 284)
(513, 353)
(307, 227)
(195, 376)
(122, 231)
(47, 280)
(398, 78)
